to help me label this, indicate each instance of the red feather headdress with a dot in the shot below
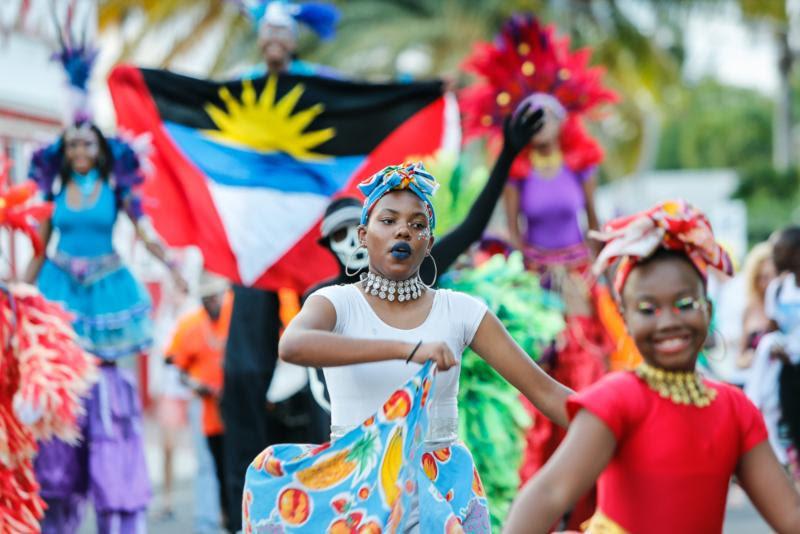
(528, 58)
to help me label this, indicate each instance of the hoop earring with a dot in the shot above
(435, 272)
(718, 335)
(349, 258)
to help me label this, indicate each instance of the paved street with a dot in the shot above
(741, 517)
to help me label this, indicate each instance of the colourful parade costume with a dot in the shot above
(491, 404)
(679, 437)
(110, 313)
(110, 310)
(394, 462)
(528, 64)
(372, 454)
(673, 462)
(87, 276)
(43, 373)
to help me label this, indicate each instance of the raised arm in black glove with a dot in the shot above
(517, 133)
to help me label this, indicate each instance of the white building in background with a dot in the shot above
(33, 96)
(710, 191)
(31, 85)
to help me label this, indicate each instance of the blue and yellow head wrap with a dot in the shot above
(408, 176)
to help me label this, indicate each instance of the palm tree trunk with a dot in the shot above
(198, 32)
(651, 136)
(782, 123)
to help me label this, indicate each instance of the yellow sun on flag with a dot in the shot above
(266, 124)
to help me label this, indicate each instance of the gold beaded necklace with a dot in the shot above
(547, 165)
(680, 387)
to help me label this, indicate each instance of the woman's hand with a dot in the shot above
(35, 265)
(520, 127)
(437, 351)
(179, 281)
(595, 246)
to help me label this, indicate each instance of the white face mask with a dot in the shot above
(346, 246)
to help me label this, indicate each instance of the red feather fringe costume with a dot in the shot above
(529, 58)
(43, 373)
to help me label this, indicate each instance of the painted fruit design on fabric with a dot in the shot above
(390, 467)
(267, 462)
(477, 485)
(442, 455)
(429, 466)
(294, 506)
(352, 524)
(426, 389)
(398, 405)
(333, 468)
(453, 526)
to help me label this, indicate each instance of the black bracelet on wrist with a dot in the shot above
(413, 352)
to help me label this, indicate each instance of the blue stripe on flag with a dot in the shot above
(228, 165)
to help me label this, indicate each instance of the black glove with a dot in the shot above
(520, 127)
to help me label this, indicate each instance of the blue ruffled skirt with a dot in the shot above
(111, 310)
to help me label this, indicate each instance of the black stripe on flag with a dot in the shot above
(362, 114)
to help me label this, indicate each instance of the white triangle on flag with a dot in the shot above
(263, 224)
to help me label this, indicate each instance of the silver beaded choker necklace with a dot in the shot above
(392, 290)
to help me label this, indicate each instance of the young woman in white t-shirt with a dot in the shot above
(371, 337)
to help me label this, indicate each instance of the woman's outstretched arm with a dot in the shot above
(493, 343)
(771, 491)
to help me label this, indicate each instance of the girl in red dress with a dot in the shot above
(661, 441)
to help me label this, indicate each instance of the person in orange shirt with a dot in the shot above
(198, 351)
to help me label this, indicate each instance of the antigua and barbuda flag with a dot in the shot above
(244, 169)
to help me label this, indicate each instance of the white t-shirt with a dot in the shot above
(782, 305)
(358, 390)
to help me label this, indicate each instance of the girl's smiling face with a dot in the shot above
(666, 311)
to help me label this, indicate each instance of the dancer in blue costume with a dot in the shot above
(85, 274)
(90, 180)
(395, 462)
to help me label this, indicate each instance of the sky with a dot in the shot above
(731, 50)
(719, 43)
